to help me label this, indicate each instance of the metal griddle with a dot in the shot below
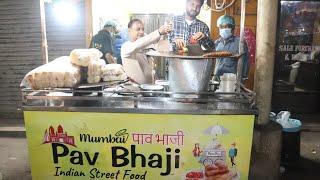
(189, 55)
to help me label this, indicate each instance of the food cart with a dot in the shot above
(125, 133)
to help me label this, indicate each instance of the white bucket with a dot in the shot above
(228, 82)
(294, 72)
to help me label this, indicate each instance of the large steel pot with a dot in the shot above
(188, 72)
(189, 75)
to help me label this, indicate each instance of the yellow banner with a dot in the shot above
(85, 145)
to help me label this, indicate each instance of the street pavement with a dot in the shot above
(14, 161)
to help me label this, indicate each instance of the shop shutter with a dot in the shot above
(62, 38)
(20, 51)
(20, 47)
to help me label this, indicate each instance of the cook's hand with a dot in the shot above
(198, 36)
(179, 43)
(110, 58)
(165, 29)
(219, 171)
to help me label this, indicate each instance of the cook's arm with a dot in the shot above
(140, 43)
(207, 42)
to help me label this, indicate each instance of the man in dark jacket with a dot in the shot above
(104, 41)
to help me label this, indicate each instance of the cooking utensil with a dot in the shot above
(172, 55)
(213, 85)
(100, 85)
(128, 89)
(163, 83)
(95, 87)
(150, 88)
(194, 49)
(189, 75)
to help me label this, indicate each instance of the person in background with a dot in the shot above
(104, 41)
(121, 38)
(229, 42)
(190, 30)
(135, 62)
(233, 153)
(196, 151)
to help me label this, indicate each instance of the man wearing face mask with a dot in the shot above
(190, 30)
(135, 62)
(104, 41)
(229, 42)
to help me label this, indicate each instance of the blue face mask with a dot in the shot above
(225, 33)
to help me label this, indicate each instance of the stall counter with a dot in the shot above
(136, 137)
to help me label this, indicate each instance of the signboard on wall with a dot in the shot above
(299, 31)
(87, 145)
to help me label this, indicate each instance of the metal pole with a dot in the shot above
(44, 42)
(241, 45)
(88, 15)
(265, 54)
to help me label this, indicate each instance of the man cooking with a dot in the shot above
(135, 62)
(190, 30)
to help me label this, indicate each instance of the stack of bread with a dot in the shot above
(113, 72)
(83, 57)
(57, 73)
(97, 68)
(95, 71)
(67, 71)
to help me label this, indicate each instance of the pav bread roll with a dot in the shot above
(113, 72)
(57, 73)
(82, 57)
(95, 71)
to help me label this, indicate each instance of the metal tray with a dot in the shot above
(189, 55)
(100, 84)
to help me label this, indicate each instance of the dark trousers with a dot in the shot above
(232, 160)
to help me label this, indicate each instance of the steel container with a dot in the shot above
(189, 75)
